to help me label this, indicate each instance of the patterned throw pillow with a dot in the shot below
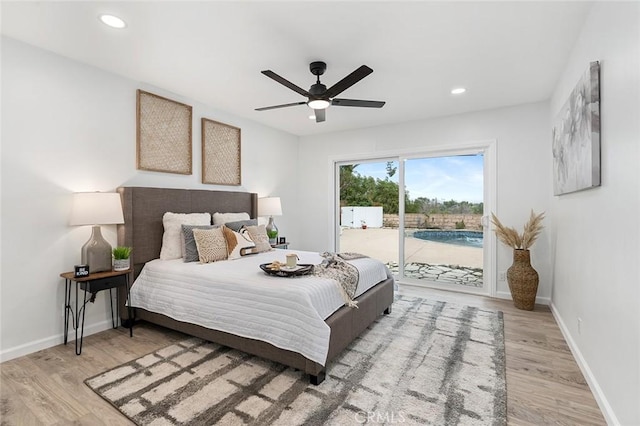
(190, 249)
(259, 236)
(211, 244)
(238, 243)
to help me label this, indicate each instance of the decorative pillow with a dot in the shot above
(238, 243)
(211, 244)
(259, 236)
(190, 249)
(235, 226)
(222, 218)
(171, 242)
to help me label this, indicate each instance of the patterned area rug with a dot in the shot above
(425, 363)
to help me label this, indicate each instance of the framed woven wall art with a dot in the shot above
(576, 136)
(163, 135)
(220, 153)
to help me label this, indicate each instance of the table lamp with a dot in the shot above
(270, 206)
(96, 208)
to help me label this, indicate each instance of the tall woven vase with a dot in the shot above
(523, 280)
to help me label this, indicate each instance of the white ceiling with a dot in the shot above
(504, 53)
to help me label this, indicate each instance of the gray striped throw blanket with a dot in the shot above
(335, 267)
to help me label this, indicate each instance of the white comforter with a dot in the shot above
(237, 297)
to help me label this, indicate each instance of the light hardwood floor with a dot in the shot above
(544, 384)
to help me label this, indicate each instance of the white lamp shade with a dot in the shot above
(96, 208)
(269, 206)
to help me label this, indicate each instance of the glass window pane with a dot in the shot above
(443, 211)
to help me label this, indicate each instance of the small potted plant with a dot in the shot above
(121, 258)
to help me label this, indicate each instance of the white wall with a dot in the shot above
(69, 127)
(522, 137)
(596, 233)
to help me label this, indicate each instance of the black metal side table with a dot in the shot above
(92, 284)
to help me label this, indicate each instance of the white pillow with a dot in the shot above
(171, 241)
(222, 218)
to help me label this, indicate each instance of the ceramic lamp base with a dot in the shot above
(97, 252)
(272, 231)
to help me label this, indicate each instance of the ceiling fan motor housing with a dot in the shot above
(317, 89)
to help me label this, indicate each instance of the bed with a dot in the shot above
(143, 229)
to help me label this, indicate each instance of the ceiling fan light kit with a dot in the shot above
(318, 104)
(319, 98)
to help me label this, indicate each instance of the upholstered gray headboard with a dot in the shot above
(144, 207)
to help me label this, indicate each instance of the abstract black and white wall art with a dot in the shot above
(576, 137)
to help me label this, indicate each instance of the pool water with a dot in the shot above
(461, 238)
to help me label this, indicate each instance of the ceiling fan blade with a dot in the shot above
(320, 115)
(357, 103)
(281, 106)
(286, 83)
(348, 81)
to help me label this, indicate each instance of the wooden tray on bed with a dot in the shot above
(301, 269)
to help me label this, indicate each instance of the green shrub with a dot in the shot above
(460, 225)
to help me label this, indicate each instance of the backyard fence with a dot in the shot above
(437, 221)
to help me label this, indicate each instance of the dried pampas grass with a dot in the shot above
(510, 236)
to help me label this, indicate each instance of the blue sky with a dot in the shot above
(458, 177)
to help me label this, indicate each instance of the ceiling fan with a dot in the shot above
(319, 98)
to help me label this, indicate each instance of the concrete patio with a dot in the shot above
(425, 260)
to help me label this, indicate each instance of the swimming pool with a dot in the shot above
(461, 238)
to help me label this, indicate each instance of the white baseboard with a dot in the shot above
(507, 295)
(605, 407)
(48, 342)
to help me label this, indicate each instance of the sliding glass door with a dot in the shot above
(422, 215)
(443, 232)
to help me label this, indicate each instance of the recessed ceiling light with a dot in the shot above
(112, 21)
(458, 91)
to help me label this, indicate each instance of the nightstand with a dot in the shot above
(280, 246)
(92, 284)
